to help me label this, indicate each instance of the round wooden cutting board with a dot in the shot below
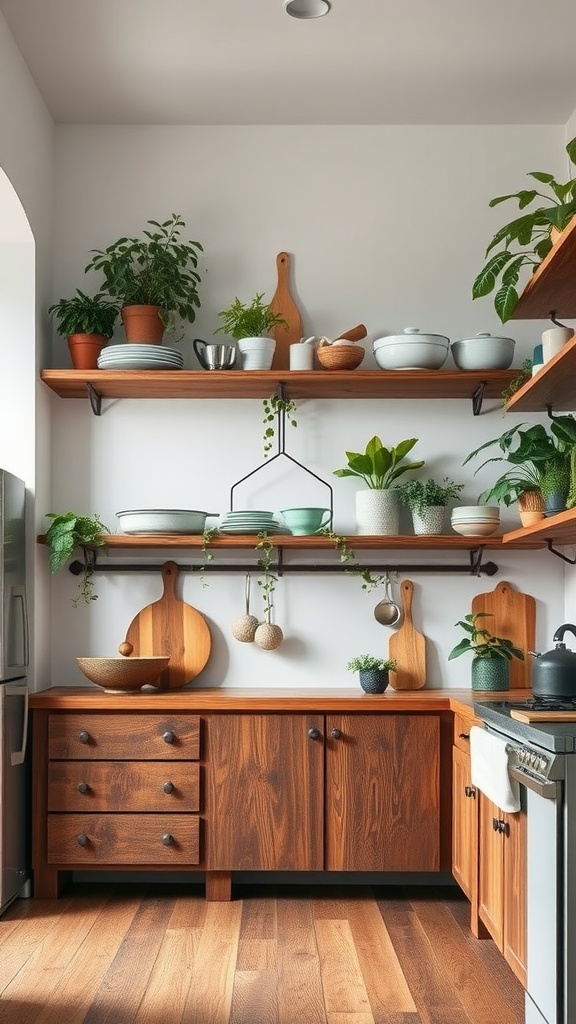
(170, 626)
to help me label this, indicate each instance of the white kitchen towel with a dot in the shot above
(489, 769)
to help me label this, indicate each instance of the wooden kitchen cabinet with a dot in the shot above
(465, 817)
(502, 881)
(312, 792)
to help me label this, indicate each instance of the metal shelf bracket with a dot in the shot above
(559, 554)
(95, 399)
(478, 398)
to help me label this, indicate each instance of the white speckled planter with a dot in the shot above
(430, 522)
(377, 512)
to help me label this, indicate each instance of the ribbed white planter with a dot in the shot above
(377, 512)
(429, 523)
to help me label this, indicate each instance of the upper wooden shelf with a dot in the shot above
(551, 289)
(263, 383)
(558, 529)
(358, 542)
(554, 386)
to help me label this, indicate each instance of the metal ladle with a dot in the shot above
(387, 612)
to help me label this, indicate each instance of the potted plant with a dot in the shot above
(491, 654)
(154, 277)
(87, 321)
(526, 240)
(250, 324)
(427, 500)
(541, 468)
(68, 531)
(377, 508)
(373, 672)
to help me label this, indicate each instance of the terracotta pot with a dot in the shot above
(85, 349)
(142, 324)
(531, 507)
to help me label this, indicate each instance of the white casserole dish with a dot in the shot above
(161, 521)
(411, 350)
(483, 352)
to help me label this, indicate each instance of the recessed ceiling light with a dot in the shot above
(306, 8)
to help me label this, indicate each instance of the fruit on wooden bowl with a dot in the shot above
(338, 356)
(121, 674)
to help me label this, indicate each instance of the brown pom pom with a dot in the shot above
(125, 649)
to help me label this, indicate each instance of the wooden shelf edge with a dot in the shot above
(560, 528)
(552, 387)
(539, 299)
(361, 542)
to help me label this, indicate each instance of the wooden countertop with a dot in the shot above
(80, 698)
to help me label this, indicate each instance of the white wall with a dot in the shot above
(386, 225)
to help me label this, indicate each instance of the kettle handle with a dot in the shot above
(199, 355)
(567, 627)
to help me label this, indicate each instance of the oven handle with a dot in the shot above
(549, 790)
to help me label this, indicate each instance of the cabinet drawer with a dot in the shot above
(123, 786)
(84, 839)
(127, 737)
(462, 726)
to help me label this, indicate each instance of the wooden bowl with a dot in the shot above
(122, 675)
(340, 357)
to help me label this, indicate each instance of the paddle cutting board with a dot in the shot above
(515, 619)
(170, 626)
(283, 303)
(408, 647)
(543, 716)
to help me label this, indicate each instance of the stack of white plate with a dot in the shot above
(475, 520)
(251, 522)
(139, 357)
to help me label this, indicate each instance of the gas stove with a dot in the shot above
(559, 737)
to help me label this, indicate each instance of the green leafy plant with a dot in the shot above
(252, 320)
(266, 582)
(418, 495)
(525, 241)
(274, 407)
(537, 459)
(85, 314)
(370, 581)
(69, 531)
(156, 270)
(524, 374)
(481, 643)
(368, 663)
(379, 466)
(207, 556)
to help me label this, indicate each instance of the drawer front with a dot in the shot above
(120, 736)
(462, 726)
(123, 786)
(154, 839)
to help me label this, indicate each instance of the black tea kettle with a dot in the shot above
(554, 672)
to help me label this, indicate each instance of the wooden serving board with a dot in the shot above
(284, 304)
(515, 619)
(408, 648)
(170, 626)
(542, 716)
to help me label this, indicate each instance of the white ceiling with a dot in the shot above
(247, 62)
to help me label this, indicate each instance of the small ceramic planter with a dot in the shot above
(490, 674)
(257, 353)
(373, 680)
(377, 512)
(430, 522)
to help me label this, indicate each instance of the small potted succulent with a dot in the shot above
(155, 279)
(377, 507)
(250, 324)
(87, 321)
(427, 500)
(373, 672)
(491, 654)
(68, 531)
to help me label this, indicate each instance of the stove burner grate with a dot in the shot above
(547, 704)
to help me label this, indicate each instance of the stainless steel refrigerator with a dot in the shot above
(14, 788)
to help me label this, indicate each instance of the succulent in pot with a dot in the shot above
(427, 500)
(87, 321)
(377, 507)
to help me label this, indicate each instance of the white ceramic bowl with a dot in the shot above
(476, 512)
(483, 352)
(480, 529)
(162, 521)
(411, 350)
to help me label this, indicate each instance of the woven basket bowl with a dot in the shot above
(121, 675)
(340, 357)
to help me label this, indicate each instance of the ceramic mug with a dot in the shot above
(553, 341)
(303, 521)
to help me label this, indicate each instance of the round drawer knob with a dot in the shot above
(83, 840)
(84, 737)
(83, 787)
(168, 787)
(336, 734)
(168, 737)
(314, 733)
(167, 839)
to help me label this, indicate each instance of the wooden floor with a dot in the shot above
(161, 955)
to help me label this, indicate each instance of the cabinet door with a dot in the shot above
(382, 792)
(515, 895)
(264, 792)
(464, 825)
(491, 871)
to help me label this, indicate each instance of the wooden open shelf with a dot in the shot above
(554, 386)
(551, 289)
(358, 542)
(560, 529)
(263, 383)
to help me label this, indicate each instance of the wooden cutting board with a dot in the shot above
(515, 619)
(408, 648)
(170, 626)
(283, 303)
(543, 716)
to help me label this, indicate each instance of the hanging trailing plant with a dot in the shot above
(274, 407)
(69, 531)
(207, 556)
(267, 581)
(370, 581)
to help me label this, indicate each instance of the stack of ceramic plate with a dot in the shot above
(251, 522)
(139, 357)
(476, 520)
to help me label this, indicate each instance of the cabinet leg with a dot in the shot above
(49, 883)
(219, 886)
